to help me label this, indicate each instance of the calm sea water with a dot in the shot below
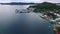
(22, 23)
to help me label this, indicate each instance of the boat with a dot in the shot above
(22, 11)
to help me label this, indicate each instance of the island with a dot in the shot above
(49, 11)
(16, 3)
(46, 8)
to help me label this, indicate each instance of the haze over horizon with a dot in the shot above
(30, 1)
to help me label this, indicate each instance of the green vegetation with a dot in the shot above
(51, 15)
(46, 7)
(58, 28)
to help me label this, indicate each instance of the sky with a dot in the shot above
(35, 1)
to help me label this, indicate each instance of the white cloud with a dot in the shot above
(36, 1)
(25, 0)
(4, 1)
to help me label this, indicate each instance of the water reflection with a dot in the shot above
(23, 11)
(7, 11)
(21, 23)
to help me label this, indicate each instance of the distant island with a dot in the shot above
(16, 3)
(22, 3)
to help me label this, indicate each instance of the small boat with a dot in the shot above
(17, 11)
(22, 11)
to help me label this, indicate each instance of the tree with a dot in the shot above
(46, 6)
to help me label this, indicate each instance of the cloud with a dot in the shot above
(36, 1)
(53, 1)
(25, 0)
(4, 1)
